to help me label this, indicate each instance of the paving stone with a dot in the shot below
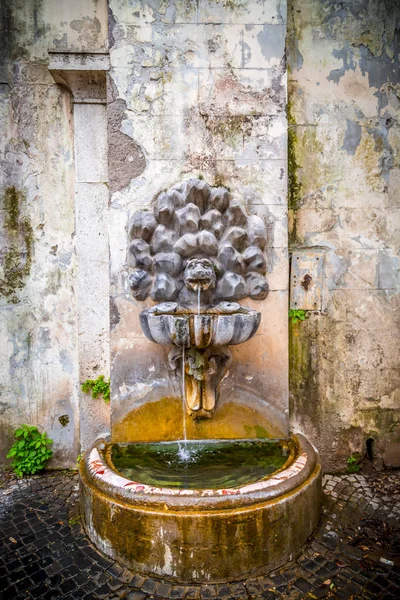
(136, 596)
(164, 589)
(238, 590)
(193, 593)
(116, 569)
(102, 592)
(320, 592)
(208, 591)
(223, 592)
(137, 581)
(149, 586)
(302, 585)
(254, 586)
(115, 584)
(178, 591)
(271, 595)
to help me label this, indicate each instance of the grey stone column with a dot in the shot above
(85, 77)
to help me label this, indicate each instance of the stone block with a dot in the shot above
(354, 227)
(168, 262)
(146, 12)
(351, 268)
(260, 183)
(388, 271)
(263, 351)
(242, 11)
(277, 268)
(242, 91)
(204, 46)
(235, 137)
(231, 286)
(177, 92)
(391, 456)
(159, 137)
(276, 225)
(90, 122)
(257, 47)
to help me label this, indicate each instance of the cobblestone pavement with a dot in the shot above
(355, 553)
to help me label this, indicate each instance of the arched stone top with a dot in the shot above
(193, 220)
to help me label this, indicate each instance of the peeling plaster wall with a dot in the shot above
(197, 88)
(39, 371)
(344, 120)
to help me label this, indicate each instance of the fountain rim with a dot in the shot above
(96, 471)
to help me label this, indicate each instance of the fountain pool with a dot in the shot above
(200, 464)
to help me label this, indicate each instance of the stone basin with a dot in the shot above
(228, 323)
(202, 535)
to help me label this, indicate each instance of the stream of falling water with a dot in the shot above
(183, 394)
(198, 298)
(183, 452)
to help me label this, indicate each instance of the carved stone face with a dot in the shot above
(199, 273)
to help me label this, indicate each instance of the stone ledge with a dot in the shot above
(83, 74)
(78, 61)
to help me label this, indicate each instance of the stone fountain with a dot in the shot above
(197, 254)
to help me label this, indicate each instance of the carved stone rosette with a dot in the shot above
(195, 220)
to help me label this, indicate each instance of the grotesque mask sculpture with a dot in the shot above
(199, 274)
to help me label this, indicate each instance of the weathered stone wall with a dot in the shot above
(344, 101)
(39, 370)
(197, 89)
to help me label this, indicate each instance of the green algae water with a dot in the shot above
(200, 464)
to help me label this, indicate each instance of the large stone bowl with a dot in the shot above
(197, 536)
(185, 328)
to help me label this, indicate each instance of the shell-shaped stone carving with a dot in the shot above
(195, 220)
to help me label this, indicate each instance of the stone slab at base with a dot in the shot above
(206, 535)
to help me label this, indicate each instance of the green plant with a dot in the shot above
(74, 520)
(353, 463)
(297, 315)
(78, 459)
(30, 451)
(98, 387)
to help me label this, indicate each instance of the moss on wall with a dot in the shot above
(303, 372)
(294, 185)
(16, 255)
(343, 131)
